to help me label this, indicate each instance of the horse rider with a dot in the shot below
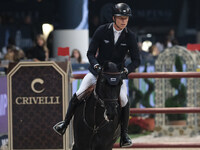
(110, 42)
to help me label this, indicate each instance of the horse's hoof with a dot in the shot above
(60, 128)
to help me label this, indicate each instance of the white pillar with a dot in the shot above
(198, 36)
(74, 39)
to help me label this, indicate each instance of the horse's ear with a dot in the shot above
(110, 67)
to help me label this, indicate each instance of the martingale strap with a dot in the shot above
(102, 100)
(95, 128)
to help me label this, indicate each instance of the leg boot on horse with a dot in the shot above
(61, 127)
(125, 140)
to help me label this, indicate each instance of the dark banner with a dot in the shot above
(145, 13)
(155, 12)
(37, 99)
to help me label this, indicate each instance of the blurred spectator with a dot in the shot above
(167, 41)
(26, 33)
(170, 39)
(14, 55)
(76, 57)
(149, 56)
(11, 43)
(153, 50)
(171, 34)
(144, 56)
(160, 45)
(39, 52)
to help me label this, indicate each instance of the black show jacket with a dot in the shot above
(102, 43)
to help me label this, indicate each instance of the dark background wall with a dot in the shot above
(149, 16)
(152, 16)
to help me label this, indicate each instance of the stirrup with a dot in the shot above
(128, 142)
(127, 145)
(58, 125)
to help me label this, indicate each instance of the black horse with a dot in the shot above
(97, 120)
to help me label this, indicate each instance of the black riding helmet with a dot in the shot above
(122, 9)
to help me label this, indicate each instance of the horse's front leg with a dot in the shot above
(76, 148)
(103, 147)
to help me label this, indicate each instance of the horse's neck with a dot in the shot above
(107, 93)
(98, 92)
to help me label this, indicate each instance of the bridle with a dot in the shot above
(102, 101)
(102, 104)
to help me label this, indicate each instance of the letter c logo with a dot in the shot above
(37, 80)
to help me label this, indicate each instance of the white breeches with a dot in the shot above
(90, 79)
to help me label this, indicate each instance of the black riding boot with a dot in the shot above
(61, 127)
(125, 140)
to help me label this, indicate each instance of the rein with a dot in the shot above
(106, 120)
(112, 73)
(102, 104)
(95, 128)
(102, 101)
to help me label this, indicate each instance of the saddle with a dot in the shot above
(84, 95)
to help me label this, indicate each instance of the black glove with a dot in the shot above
(124, 74)
(97, 68)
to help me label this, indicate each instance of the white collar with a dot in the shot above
(115, 31)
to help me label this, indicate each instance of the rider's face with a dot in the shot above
(121, 22)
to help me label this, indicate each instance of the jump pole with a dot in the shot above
(171, 110)
(154, 75)
(161, 145)
(168, 110)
